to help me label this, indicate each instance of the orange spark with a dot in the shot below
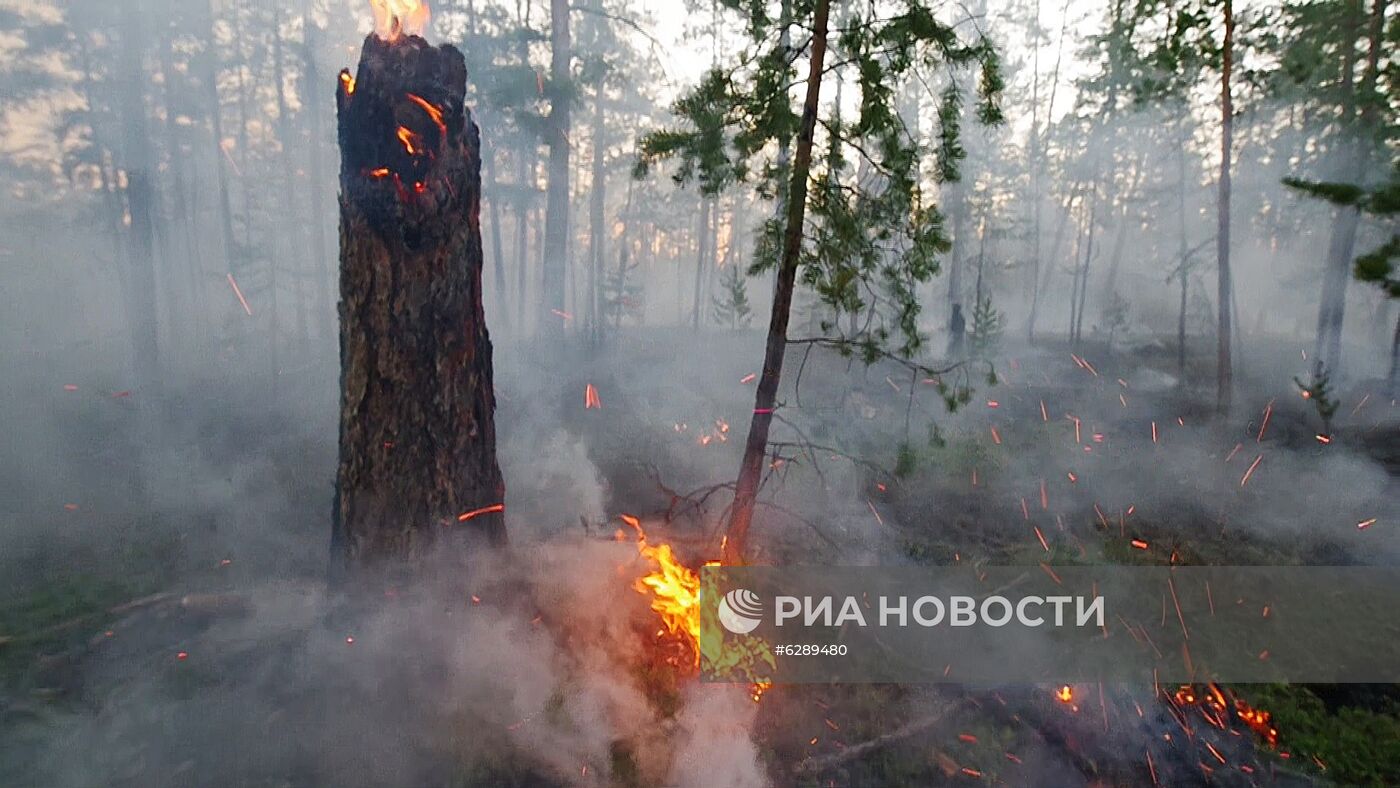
(590, 398)
(1139, 544)
(495, 507)
(1250, 472)
(1364, 524)
(748, 378)
(238, 292)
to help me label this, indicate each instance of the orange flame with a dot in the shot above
(395, 17)
(674, 590)
(1065, 694)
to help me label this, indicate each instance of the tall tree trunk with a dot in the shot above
(756, 445)
(498, 263)
(1182, 255)
(596, 201)
(293, 248)
(417, 427)
(216, 118)
(1034, 164)
(141, 284)
(142, 303)
(321, 265)
(1224, 372)
(522, 246)
(1042, 282)
(702, 239)
(1395, 359)
(1341, 246)
(556, 236)
(958, 196)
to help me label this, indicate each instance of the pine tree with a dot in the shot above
(985, 341)
(732, 305)
(847, 240)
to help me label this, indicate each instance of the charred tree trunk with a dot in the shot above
(417, 431)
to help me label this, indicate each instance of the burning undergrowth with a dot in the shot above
(556, 665)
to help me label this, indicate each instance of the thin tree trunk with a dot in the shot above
(702, 238)
(1224, 372)
(522, 246)
(1182, 256)
(321, 266)
(142, 305)
(216, 116)
(1395, 359)
(556, 236)
(756, 445)
(596, 203)
(1040, 284)
(291, 231)
(488, 165)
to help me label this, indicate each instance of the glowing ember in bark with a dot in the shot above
(433, 112)
(348, 81)
(412, 143)
(393, 18)
(496, 507)
(1065, 694)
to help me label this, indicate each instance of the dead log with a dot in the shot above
(417, 431)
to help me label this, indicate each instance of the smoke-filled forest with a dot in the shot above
(382, 379)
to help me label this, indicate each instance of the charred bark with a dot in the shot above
(417, 431)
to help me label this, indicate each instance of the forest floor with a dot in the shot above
(143, 550)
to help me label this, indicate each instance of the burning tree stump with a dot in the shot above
(417, 434)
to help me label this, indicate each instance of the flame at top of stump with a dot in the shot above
(404, 129)
(395, 17)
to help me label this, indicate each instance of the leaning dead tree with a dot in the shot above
(417, 432)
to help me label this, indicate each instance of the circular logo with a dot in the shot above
(740, 611)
